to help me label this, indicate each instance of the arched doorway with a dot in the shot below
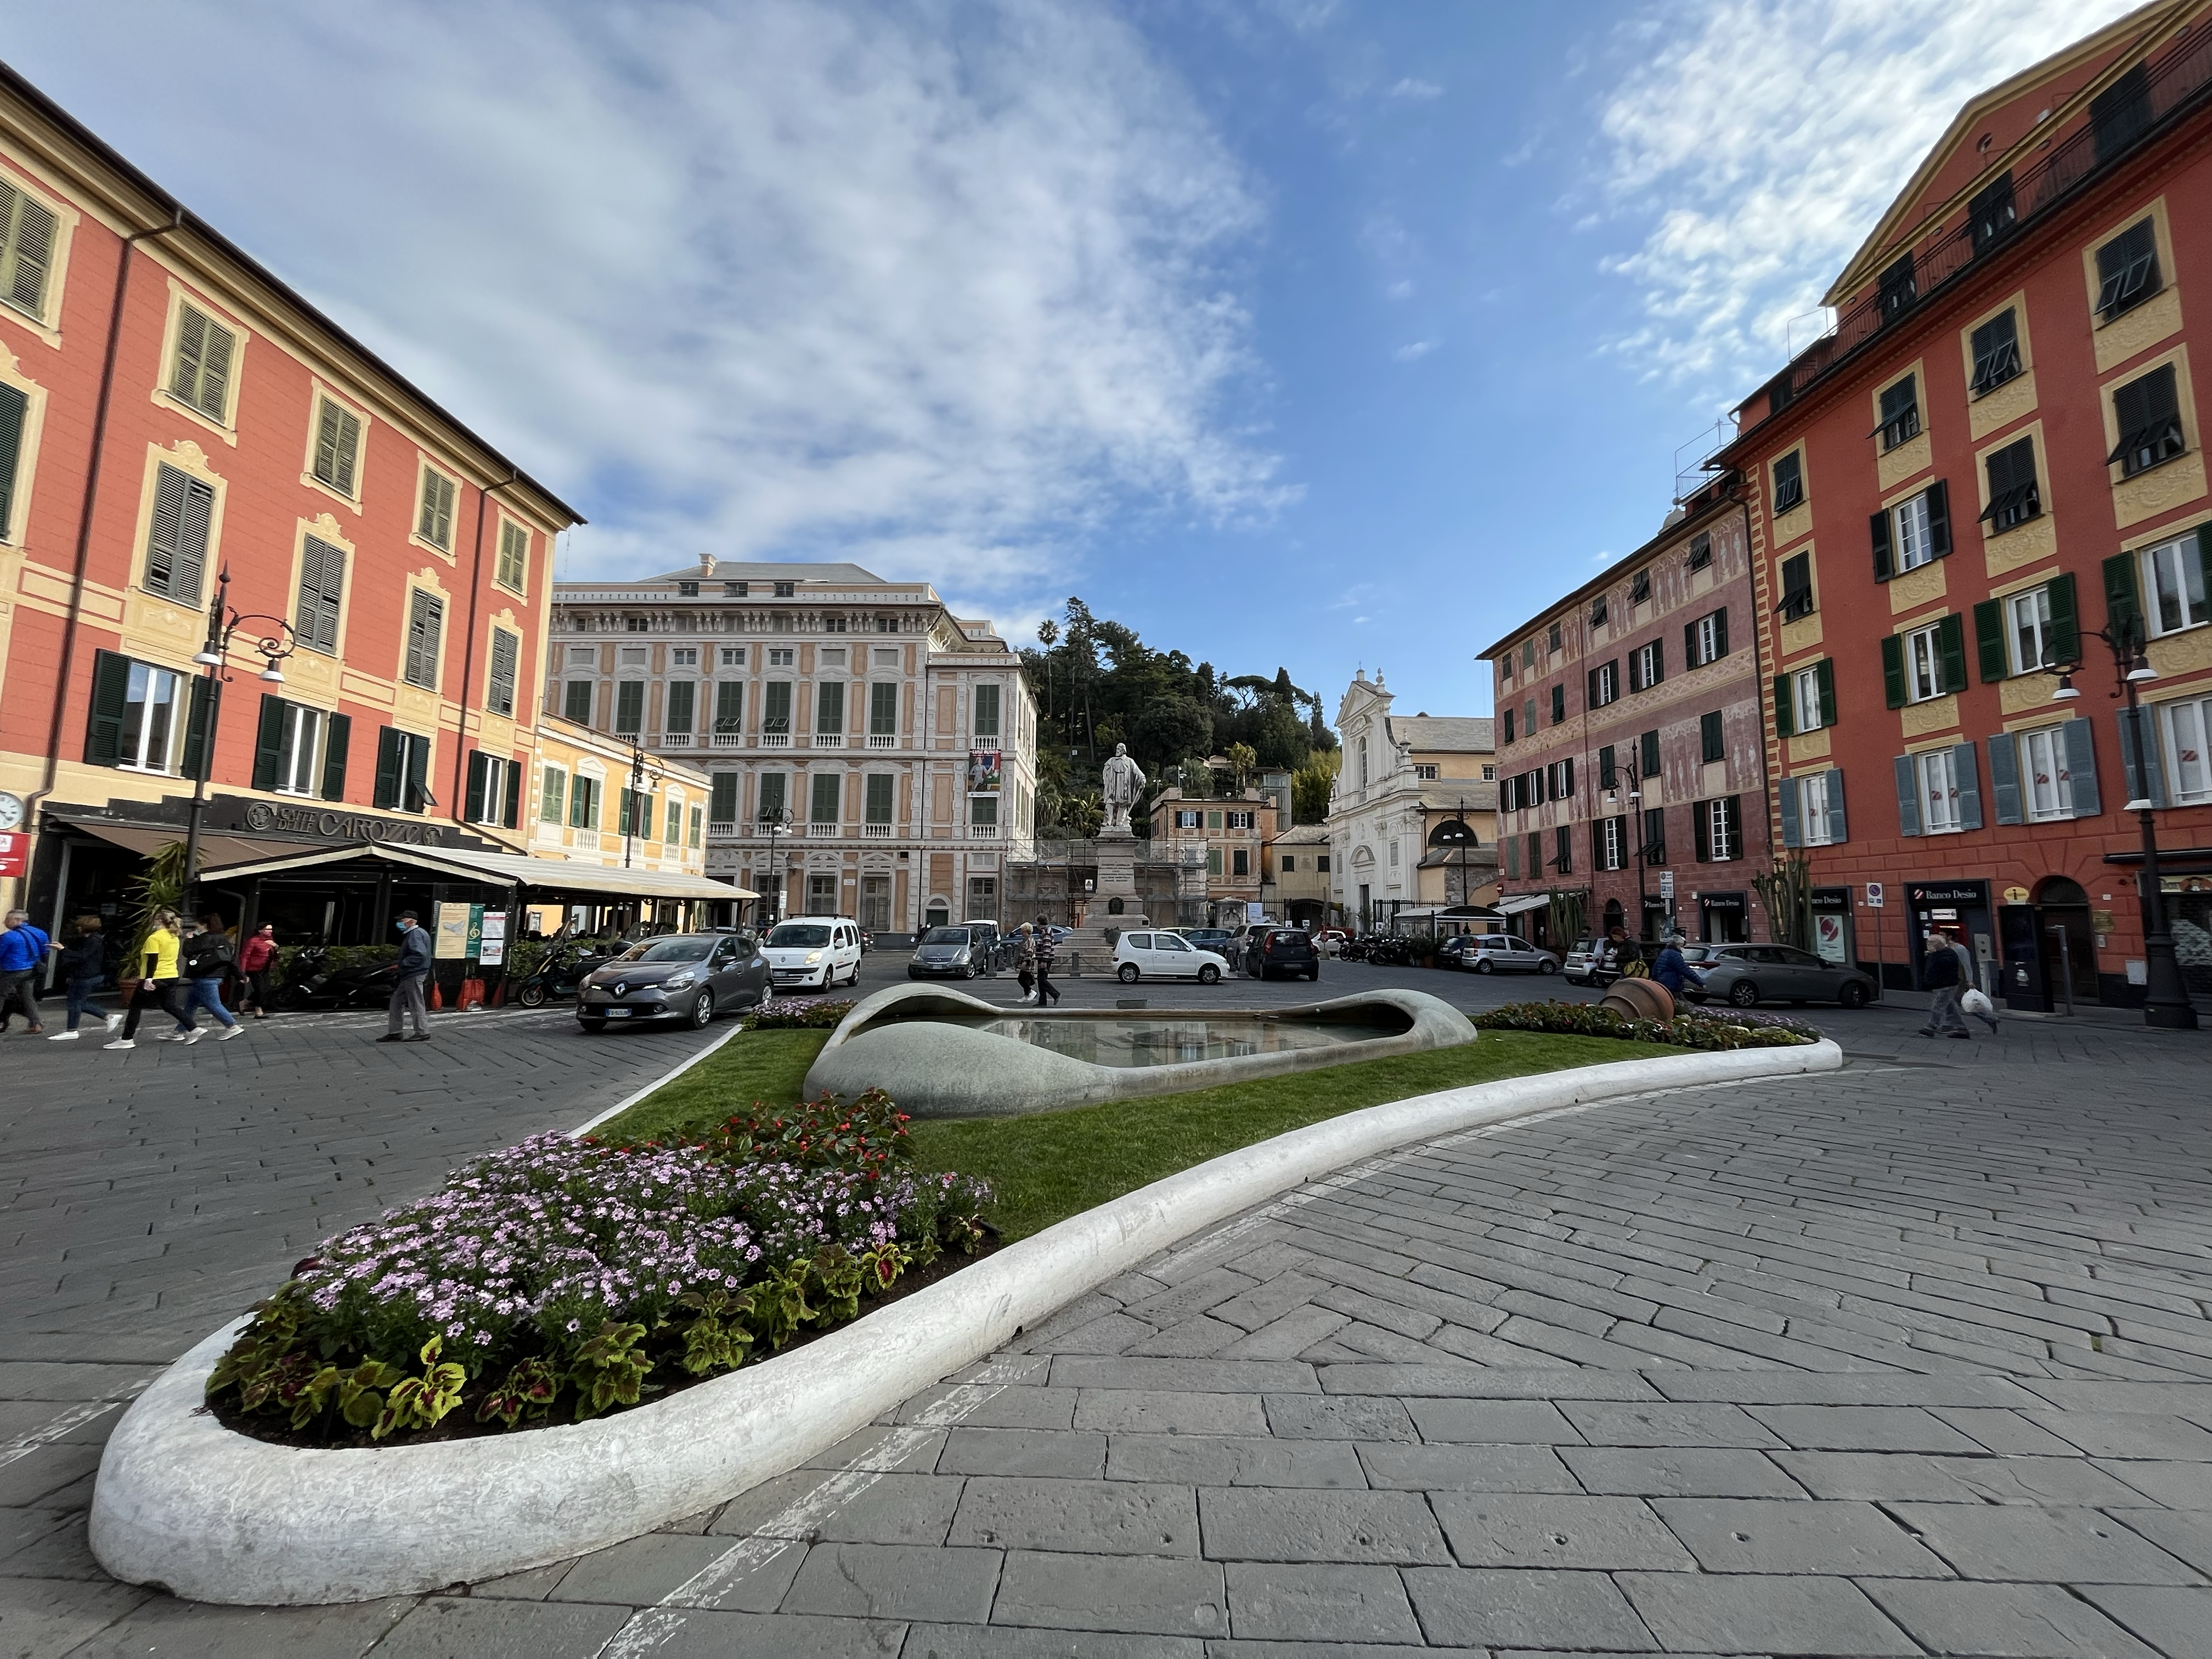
(2069, 940)
(1614, 918)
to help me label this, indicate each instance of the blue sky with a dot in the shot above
(1293, 332)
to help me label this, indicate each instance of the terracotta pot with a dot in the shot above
(1639, 999)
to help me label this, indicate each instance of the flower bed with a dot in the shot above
(796, 1013)
(559, 1280)
(1737, 1029)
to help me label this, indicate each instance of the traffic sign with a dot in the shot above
(1667, 886)
(1873, 896)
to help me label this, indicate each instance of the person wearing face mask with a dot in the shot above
(407, 991)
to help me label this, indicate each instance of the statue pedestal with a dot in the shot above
(1089, 948)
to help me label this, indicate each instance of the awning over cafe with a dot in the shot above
(1522, 902)
(496, 869)
(214, 849)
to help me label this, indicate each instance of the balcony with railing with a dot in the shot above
(774, 739)
(2138, 108)
(825, 831)
(883, 740)
(828, 739)
(876, 831)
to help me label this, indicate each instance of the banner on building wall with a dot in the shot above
(984, 773)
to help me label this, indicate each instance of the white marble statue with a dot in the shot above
(1124, 781)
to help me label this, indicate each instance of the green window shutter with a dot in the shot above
(176, 550)
(578, 790)
(418, 773)
(387, 768)
(1964, 769)
(676, 716)
(724, 806)
(27, 250)
(338, 448)
(201, 715)
(1214, 860)
(629, 708)
(2064, 643)
(1951, 645)
(1712, 740)
(506, 652)
(823, 807)
(730, 706)
(2203, 555)
(1607, 764)
(829, 708)
(576, 704)
(1824, 673)
(338, 738)
(15, 409)
(510, 812)
(1651, 757)
(775, 714)
(1701, 830)
(192, 349)
(1785, 710)
(322, 583)
(513, 554)
(880, 785)
(1892, 671)
(1884, 559)
(426, 620)
(697, 819)
(111, 695)
(772, 786)
(2082, 767)
(883, 710)
(479, 764)
(2004, 779)
(1989, 639)
(2123, 595)
(1939, 517)
(269, 741)
(550, 794)
(642, 811)
(987, 712)
(1558, 704)
(435, 523)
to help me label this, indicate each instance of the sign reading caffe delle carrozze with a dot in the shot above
(342, 826)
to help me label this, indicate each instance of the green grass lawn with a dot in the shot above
(1056, 1164)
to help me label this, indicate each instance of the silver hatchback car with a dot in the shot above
(1507, 953)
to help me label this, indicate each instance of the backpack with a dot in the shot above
(208, 954)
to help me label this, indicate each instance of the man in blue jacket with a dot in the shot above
(1941, 977)
(22, 952)
(407, 991)
(1672, 968)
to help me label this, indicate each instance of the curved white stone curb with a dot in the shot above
(212, 1516)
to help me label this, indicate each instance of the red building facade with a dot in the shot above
(1630, 756)
(1995, 454)
(171, 413)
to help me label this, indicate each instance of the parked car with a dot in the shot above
(686, 977)
(813, 953)
(1508, 953)
(868, 941)
(1747, 974)
(1164, 956)
(1282, 951)
(948, 953)
(1458, 951)
(1219, 940)
(1581, 965)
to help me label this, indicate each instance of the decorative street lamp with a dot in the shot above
(1644, 850)
(213, 656)
(2165, 1001)
(640, 776)
(1457, 832)
(776, 820)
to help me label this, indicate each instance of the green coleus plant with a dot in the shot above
(421, 1403)
(609, 1369)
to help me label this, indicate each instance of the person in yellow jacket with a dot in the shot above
(156, 976)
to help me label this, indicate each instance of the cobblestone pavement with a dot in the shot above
(1913, 1358)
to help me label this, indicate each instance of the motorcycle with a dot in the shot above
(312, 982)
(560, 973)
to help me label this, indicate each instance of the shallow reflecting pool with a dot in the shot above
(1154, 1041)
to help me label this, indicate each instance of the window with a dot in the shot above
(1560, 779)
(2046, 773)
(1320, 864)
(2148, 411)
(1489, 773)
(495, 790)
(2178, 574)
(1811, 699)
(26, 251)
(1528, 718)
(1290, 864)
(722, 798)
(1563, 850)
(2028, 626)
(1425, 774)
(1240, 860)
(287, 751)
(1598, 612)
(887, 624)
(1551, 643)
(1997, 353)
(629, 708)
(2119, 114)
(338, 448)
(1992, 213)
(985, 722)
(1647, 665)
(786, 590)
(1924, 649)
(584, 804)
(824, 799)
(434, 517)
(1900, 413)
(1610, 838)
(683, 656)
(1701, 550)
(1189, 820)
(1939, 792)
(426, 622)
(636, 625)
(687, 590)
(1640, 588)
(671, 820)
(137, 714)
(2186, 726)
(1527, 655)
(730, 708)
(1238, 820)
(698, 817)
(1899, 289)
(1914, 533)
(737, 590)
(1509, 726)
(513, 564)
(506, 663)
(776, 707)
(1604, 684)
(322, 585)
(582, 656)
(177, 548)
(634, 815)
(1719, 825)
(781, 656)
(15, 412)
(552, 796)
(1648, 760)
(403, 770)
(983, 811)
(577, 702)
(1712, 739)
(634, 655)
(200, 377)
(829, 709)
(2014, 497)
(1706, 638)
(679, 698)
(833, 624)
(1511, 846)
(2127, 270)
(1790, 481)
(1655, 835)
(774, 792)
(1558, 704)
(1796, 588)
(880, 785)
(733, 656)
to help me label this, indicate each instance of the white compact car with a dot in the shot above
(813, 953)
(1164, 956)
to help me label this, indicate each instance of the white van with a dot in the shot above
(813, 953)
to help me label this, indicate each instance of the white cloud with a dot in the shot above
(1759, 141)
(1414, 352)
(1421, 91)
(936, 288)
(1400, 289)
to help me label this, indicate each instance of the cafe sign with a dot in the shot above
(335, 825)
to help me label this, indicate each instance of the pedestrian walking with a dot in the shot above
(408, 990)
(208, 957)
(1048, 994)
(256, 960)
(22, 952)
(1941, 976)
(84, 970)
(1025, 961)
(151, 978)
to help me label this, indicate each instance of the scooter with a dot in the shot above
(311, 982)
(560, 972)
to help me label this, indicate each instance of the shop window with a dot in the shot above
(1790, 481)
(2148, 412)
(1914, 533)
(1995, 346)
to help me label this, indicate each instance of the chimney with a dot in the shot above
(706, 564)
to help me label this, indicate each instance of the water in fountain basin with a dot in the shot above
(1155, 1041)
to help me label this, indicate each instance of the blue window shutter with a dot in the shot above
(2146, 767)
(1786, 793)
(2004, 778)
(1963, 768)
(1908, 797)
(1838, 831)
(2082, 767)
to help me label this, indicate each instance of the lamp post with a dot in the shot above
(1636, 817)
(2166, 999)
(640, 776)
(214, 657)
(776, 820)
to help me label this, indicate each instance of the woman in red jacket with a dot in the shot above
(256, 960)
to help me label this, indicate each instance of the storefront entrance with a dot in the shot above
(1961, 908)
(1724, 919)
(1832, 932)
(2069, 940)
